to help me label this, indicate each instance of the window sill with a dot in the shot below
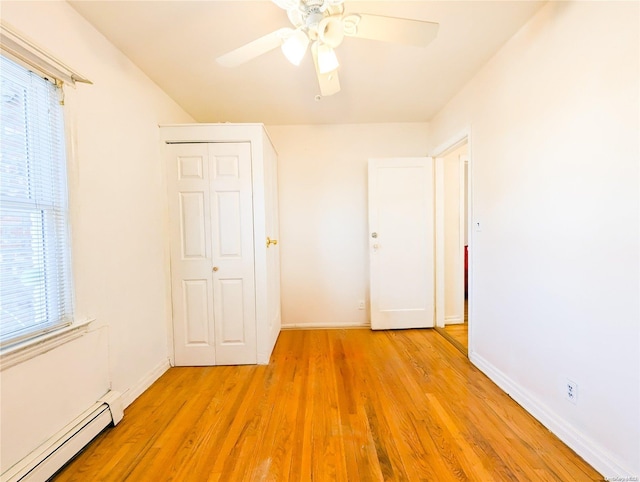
(20, 352)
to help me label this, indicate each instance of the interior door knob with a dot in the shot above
(215, 268)
(271, 241)
(374, 235)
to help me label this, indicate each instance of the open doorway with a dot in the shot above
(453, 254)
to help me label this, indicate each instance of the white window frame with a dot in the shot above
(23, 51)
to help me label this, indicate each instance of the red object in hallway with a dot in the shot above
(466, 272)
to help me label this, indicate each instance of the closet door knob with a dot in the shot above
(215, 268)
(271, 241)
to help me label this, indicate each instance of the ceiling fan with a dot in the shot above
(323, 25)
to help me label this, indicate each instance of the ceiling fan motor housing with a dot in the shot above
(313, 20)
(309, 6)
(321, 22)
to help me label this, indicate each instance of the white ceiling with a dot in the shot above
(176, 43)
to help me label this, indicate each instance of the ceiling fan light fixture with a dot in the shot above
(331, 31)
(327, 60)
(295, 47)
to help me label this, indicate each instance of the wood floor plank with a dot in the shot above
(343, 405)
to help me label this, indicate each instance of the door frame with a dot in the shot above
(438, 154)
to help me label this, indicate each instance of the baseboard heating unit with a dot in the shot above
(49, 457)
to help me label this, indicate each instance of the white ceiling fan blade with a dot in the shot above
(329, 82)
(256, 48)
(286, 4)
(391, 29)
(336, 8)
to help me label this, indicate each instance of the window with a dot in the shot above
(35, 283)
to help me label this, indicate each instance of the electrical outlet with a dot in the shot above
(361, 305)
(571, 391)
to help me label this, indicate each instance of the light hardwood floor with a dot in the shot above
(333, 405)
(458, 334)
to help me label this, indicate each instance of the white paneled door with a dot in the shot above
(212, 255)
(401, 243)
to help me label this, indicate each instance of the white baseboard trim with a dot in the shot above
(129, 395)
(454, 320)
(600, 458)
(44, 461)
(323, 326)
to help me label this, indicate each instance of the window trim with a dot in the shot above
(24, 350)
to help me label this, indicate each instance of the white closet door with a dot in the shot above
(401, 243)
(212, 254)
(191, 276)
(234, 298)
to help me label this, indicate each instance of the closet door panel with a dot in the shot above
(195, 293)
(232, 320)
(191, 260)
(233, 254)
(193, 231)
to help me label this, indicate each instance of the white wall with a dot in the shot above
(555, 171)
(323, 215)
(454, 236)
(118, 211)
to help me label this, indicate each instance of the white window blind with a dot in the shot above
(35, 283)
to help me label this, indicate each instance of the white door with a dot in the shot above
(272, 227)
(401, 243)
(212, 253)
